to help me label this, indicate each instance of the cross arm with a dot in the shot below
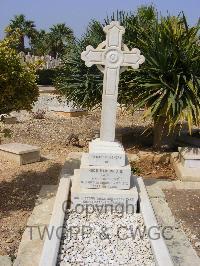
(133, 58)
(93, 56)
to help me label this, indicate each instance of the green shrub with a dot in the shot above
(45, 76)
(18, 88)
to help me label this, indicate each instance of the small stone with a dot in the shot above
(133, 157)
(197, 244)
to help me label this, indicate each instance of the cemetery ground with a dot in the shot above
(58, 136)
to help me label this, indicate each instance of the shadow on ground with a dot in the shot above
(21, 192)
(140, 136)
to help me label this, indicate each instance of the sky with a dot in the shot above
(77, 13)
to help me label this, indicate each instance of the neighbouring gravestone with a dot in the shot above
(105, 174)
(54, 103)
(190, 157)
(61, 107)
(49, 101)
(187, 163)
(20, 153)
(46, 62)
(8, 119)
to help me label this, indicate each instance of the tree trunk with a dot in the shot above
(162, 138)
(22, 46)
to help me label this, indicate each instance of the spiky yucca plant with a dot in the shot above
(80, 84)
(83, 85)
(167, 84)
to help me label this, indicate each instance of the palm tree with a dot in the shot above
(40, 43)
(26, 28)
(59, 37)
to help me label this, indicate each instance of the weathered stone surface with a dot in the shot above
(52, 244)
(20, 153)
(71, 114)
(32, 241)
(30, 248)
(72, 162)
(190, 157)
(18, 148)
(6, 119)
(178, 244)
(182, 172)
(159, 247)
(31, 157)
(100, 197)
(5, 261)
(46, 192)
(41, 213)
(106, 153)
(104, 177)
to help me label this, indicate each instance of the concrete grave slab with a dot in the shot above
(49, 100)
(159, 247)
(5, 261)
(71, 113)
(190, 157)
(182, 172)
(32, 241)
(8, 119)
(180, 249)
(42, 213)
(20, 153)
(31, 245)
(51, 245)
(178, 244)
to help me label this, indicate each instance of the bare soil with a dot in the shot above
(159, 170)
(19, 188)
(185, 206)
(58, 136)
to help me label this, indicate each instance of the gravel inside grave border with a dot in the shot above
(104, 239)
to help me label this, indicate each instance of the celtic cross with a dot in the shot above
(112, 57)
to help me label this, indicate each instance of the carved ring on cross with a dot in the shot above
(113, 57)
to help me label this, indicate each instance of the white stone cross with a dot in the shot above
(110, 54)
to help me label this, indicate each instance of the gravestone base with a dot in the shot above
(63, 110)
(20, 153)
(106, 153)
(102, 198)
(8, 119)
(71, 114)
(104, 178)
(190, 157)
(111, 177)
(182, 169)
